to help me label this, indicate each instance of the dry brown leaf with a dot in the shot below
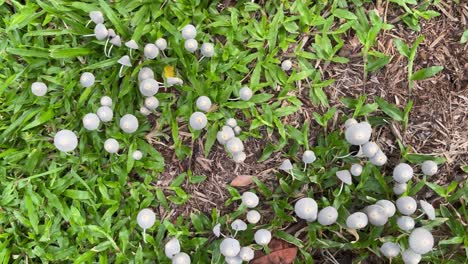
(241, 180)
(283, 256)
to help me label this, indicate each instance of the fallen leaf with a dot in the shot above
(282, 252)
(354, 233)
(169, 71)
(241, 180)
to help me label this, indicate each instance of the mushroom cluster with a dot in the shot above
(227, 137)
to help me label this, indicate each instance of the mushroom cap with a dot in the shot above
(428, 209)
(286, 65)
(237, 130)
(149, 87)
(231, 122)
(137, 155)
(151, 102)
(151, 51)
(217, 230)
(376, 215)
(189, 31)
(125, 61)
(308, 156)
(233, 260)
(129, 123)
(116, 41)
(421, 240)
(145, 111)
(131, 44)
(410, 257)
(207, 50)
(399, 188)
(357, 220)
(111, 145)
(306, 208)
(286, 165)
(87, 79)
(344, 176)
(390, 250)
(97, 17)
(250, 199)
(38, 88)
(229, 247)
(111, 33)
(146, 218)
(402, 173)
(191, 45)
(370, 149)
(245, 93)
(204, 103)
(379, 159)
(327, 216)
(181, 258)
(65, 140)
(161, 43)
(358, 134)
(105, 113)
(388, 206)
(145, 73)
(406, 205)
(198, 121)
(172, 247)
(171, 81)
(405, 223)
(262, 237)
(106, 101)
(356, 169)
(100, 31)
(239, 157)
(349, 122)
(91, 121)
(253, 216)
(246, 253)
(238, 225)
(234, 145)
(225, 134)
(429, 167)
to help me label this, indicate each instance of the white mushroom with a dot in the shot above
(399, 188)
(231, 122)
(246, 254)
(356, 169)
(145, 111)
(234, 145)
(250, 199)
(262, 237)
(181, 258)
(239, 157)
(349, 122)
(308, 157)
(358, 134)
(105, 113)
(406, 205)
(402, 173)
(87, 79)
(198, 121)
(327, 216)
(370, 149)
(149, 87)
(172, 247)
(91, 121)
(245, 93)
(344, 176)
(390, 250)
(97, 17)
(217, 230)
(100, 31)
(286, 65)
(428, 209)
(421, 240)
(39, 88)
(357, 220)
(124, 61)
(207, 50)
(191, 45)
(151, 102)
(189, 32)
(129, 123)
(151, 51)
(161, 43)
(429, 167)
(379, 159)
(376, 215)
(229, 247)
(65, 140)
(306, 208)
(405, 223)
(410, 257)
(106, 101)
(204, 103)
(145, 73)
(137, 155)
(388, 206)
(225, 135)
(171, 81)
(237, 130)
(111, 145)
(286, 165)
(253, 216)
(238, 225)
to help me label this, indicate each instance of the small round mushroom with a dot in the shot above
(286, 165)
(225, 135)
(106, 101)
(231, 122)
(204, 103)
(410, 257)
(114, 41)
(245, 93)
(189, 32)
(428, 209)
(198, 121)
(406, 205)
(145, 73)
(253, 216)
(262, 237)
(357, 220)
(327, 216)
(97, 17)
(124, 61)
(229, 247)
(105, 113)
(137, 155)
(65, 140)
(306, 208)
(131, 44)
(149, 87)
(191, 45)
(358, 134)
(172, 247)
(376, 215)
(181, 258)
(356, 169)
(246, 254)
(234, 145)
(370, 149)
(146, 218)
(237, 130)
(171, 81)
(233, 260)
(151, 102)
(161, 43)
(87, 79)
(145, 111)
(207, 50)
(405, 223)
(402, 173)
(250, 199)
(429, 167)
(239, 157)
(308, 157)
(100, 31)
(39, 88)
(390, 250)
(238, 225)
(91, 121)
(421, 240)
(344, 176)
(111, 145)
(349, 122)
(388, 206)
(286, 65)
(399, 188)
(129, 123)
(379, 159)
(217, 230)
(151, 51)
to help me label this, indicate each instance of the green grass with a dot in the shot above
(81, 207)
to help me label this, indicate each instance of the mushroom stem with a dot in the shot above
(164, 54)
(341, 189)
(201, 58)
(292, 174)
(131, 52)
(234, 99)
(89, 22)
(305, 167)
(144, 235)
(89, 35)
(105, 46)
(120, 71)
(109, 51)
